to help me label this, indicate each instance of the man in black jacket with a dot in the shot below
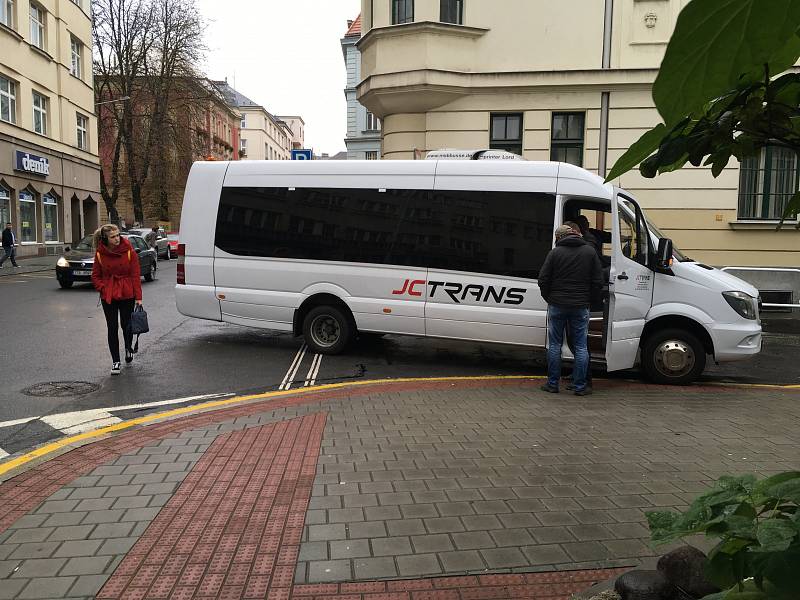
(571, 280)
(9, 246)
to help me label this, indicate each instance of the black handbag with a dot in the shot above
(138, 324)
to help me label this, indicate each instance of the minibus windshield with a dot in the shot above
(677, 254)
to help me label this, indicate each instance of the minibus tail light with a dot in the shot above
(181, 272)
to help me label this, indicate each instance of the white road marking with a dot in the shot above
(167, 402)
(17, 422)
(80, 421)
(3, 454)
(288, 379)
(311, 376)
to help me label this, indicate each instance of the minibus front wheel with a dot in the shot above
(327, 330)
(673, 357)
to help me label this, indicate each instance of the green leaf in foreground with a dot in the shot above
(716, 43)
(640, 150)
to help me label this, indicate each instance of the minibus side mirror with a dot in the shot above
(664, 255)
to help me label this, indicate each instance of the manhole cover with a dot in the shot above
(60, 389)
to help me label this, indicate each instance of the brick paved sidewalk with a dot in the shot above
(462, 489)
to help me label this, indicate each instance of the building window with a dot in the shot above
(27, 217)
(37, 25)
(451, 11)
(243, 124)
(373, 124)
(242, 147)
(766, 183)
(371, 155)
(8, 100)
(402, 11)
(77, 58)
(82, 129)
(506, 132)
(50, 214)
(7, 13)
(39, 113)
(566, 139)
(5, 206)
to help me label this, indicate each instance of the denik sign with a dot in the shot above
(30, 163)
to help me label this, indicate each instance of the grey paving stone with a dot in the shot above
(117, 491)
(34, 550)
(159, 500)
(432, 543)
(173, 467)
(115, 480)
(316, 517)
(345, 515)
(592, 516)
(89, 492)
(70, 532)
(480, 522)
(131, 502)
(375, 487)
(545, 554)
(86, 481)
(349, 549)
(313, 551)
(454, 509)
(382, 513)
(57, 506)
(503, 558)
(78, 548)
(443, 525)
(491, 507)
(360, 500)
(326, 532)
(329, 570)
(628, 548)
(111, 530)
(6, 550)
(590, 532)
(39, 567)
(86, 565)
(418, 511)
(556, 518)
(418, 564)
(29, 521)
(391, 546)
(47, 587)
(148, 478)
(473, 540)
(130, 459)
(551, 535)
(139, 469)
(325, 502)
(141, 514)
(107, 470)
(628, 530)
(63, 493)
(94, 504)
(463, 561)
(374, 568)
(511, 537)
(139, 528)
(103, 516)
(11, 588)
(367, 529)
(581, 551)
(22, 536)
(395, 498)
(406, 527)
(117, 545)
(88, 585)
(471, 495)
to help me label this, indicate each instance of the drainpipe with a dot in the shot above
(602, 165)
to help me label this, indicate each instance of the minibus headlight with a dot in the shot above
(743, 304)
(62, 262)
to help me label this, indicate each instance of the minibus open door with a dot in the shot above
(630, 284)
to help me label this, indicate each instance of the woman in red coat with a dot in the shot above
(116, 275)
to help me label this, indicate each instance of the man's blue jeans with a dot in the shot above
(577, 319)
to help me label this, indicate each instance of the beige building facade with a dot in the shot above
(297, 126)
(569, 81)
(49, 167)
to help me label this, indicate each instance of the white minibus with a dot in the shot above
(445, 248)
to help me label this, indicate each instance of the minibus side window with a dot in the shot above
(633, 238)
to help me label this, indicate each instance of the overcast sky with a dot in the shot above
(286, 56)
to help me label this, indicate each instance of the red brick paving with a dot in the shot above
(233, 527)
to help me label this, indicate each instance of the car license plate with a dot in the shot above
(81, 273)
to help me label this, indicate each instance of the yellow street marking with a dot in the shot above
(67, 441)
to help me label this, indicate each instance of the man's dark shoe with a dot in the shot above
(571, 387)
(587, 391)
(549, 388)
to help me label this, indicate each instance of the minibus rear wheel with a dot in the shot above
(328, 330)
(673, 357)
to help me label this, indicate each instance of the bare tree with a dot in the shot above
(143, 50)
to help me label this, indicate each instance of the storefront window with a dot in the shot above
(27, 217)
(50, 214)
(5, 206)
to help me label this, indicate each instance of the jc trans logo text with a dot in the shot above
(459, 292)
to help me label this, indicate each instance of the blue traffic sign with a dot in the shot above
(302, 154)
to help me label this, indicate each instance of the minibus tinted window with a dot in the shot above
(499, 233)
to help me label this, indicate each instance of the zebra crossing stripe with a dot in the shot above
(81, 421)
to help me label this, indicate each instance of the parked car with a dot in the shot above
(76, 263)
(172, 242)
(161, 240)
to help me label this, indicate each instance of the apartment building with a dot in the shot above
(363, 139)
(49, 168)
(568, 81)
(297, 126)
(263, 136)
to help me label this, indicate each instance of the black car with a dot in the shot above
(77, 263)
